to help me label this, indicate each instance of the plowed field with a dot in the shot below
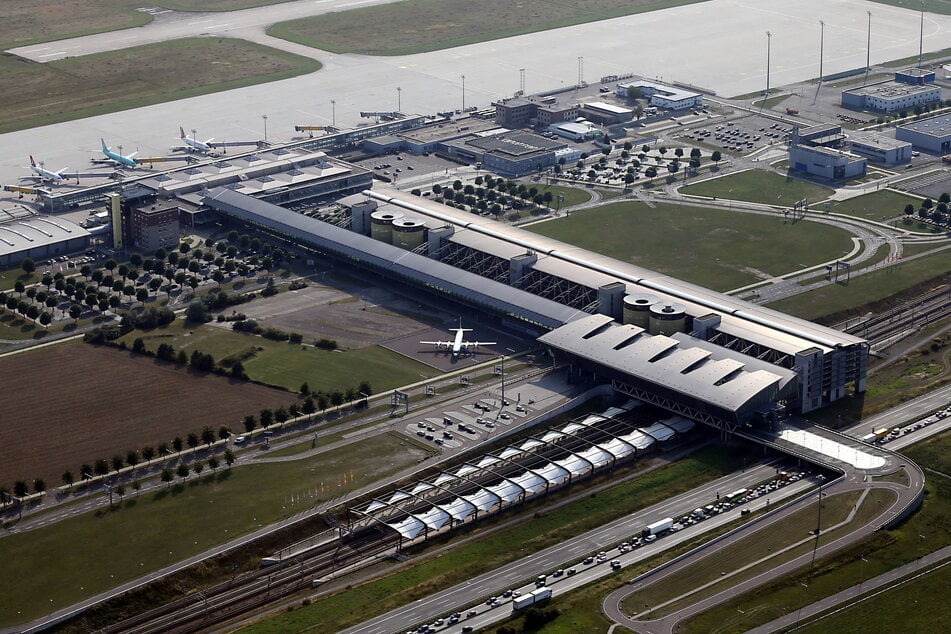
(70, 404)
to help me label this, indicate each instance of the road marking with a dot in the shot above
(52, 54)
(216, 26)
(201, 21)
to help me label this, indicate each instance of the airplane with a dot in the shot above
(47, 175)
(128, 161)
(192, 143)
(458, 345)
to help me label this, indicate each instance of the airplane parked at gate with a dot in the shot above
(118, 159)
(458, 345)
(192, 143)
(47, 175)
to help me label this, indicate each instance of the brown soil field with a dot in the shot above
(70, 404)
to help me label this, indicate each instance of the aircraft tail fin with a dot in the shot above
(105, 148)
(182, 130)
(32, 162)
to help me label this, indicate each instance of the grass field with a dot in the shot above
(289, 365)
(39, 94)
(32, 21)
(880, 206)
(926, 531)
(726, 249)
(759, 187)
(416, 26)
(359, 603)
(46, 570)
(76, 403)
(573, 195)
(845, 299)
(765, 543)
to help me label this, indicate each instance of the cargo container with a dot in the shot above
(526, 600)
(658, 527)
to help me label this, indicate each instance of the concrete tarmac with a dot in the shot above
(675, 44)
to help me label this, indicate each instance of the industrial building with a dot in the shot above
(822, 151)
(25, 234)
(763, 358)
(893, 96)
(662, 95)
(931, 135)
(606, 113)
(881, 149)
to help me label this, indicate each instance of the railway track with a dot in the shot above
(921, 311)
(257, 589)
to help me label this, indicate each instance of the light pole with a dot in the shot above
(921, 36)
(399, 99)
(822, 39)
(868, 47)
(333, 112)
(463, 93)
(264, 116)
(769, 41)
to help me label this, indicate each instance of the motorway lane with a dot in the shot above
(566, 554)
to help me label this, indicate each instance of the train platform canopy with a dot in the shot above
(674, 366)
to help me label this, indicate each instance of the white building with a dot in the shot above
(662, 95)
(579, 130)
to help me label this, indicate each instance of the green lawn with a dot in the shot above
(852, 297)
(38, 94)
(759, 187)
(9, 277)
(55, 566)
(290, 365)
(409, 584)
(715, 248)
(926, 531)
(573, 195)
(880, 206)
(416, 26)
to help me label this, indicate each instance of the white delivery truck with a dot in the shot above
(526, 600)
(658, 527)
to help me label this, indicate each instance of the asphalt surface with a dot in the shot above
(432, 82)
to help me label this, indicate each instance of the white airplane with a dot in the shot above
(47, 175)
(192, 143)
(458, 345)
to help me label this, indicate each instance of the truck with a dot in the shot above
(946, 158)
(880, 433)
(658, 527)
(791, 111)
(533, 597)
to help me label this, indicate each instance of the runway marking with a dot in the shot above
(52, 54)
(216, 26)
(36, 50)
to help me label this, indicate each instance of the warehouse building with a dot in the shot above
(890, 97)
(931, 135)
(24, 234)
(826, 163)
(881, 149)
(606, 113)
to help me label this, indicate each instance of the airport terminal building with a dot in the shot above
(705, 355)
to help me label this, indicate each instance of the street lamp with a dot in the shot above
(921, 36)
(822, 37)
(868, 47)
(463, 93)
(769, 41)
(333, 112)
(399, 98)
(264, 116)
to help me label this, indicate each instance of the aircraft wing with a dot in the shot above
(437, 343)
(478, 343)
(132, 156)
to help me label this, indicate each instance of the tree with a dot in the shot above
(111, 264)
(267, 417)
(136, 485)
(192, 440)
(695, 153)
(117, 463)
(178, 443)
(229, 457)
(238, 371)
(213, 463)
(909, 209)
(249, 423)
(142, 295)
(716, 157)
(207, 435)
(39, 485)
(650, 173)
(135, 260)
(673, 167)
(85, 471)
(336, 398)
(20, 488)
(162, 449)
(308, 406)
(223, 432)
(68, 478)
(182, 471)
(927, 203)
(197, 467)
(101, 467)
(120, 491)
(304, 389)
(147, 454)
(28, 265)
(19, 287)
(167, 476)
(132, 458)
(280, 415)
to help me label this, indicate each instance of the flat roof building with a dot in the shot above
(881, 149)
(662, 95)
(932, 135)
(25, 235)
(606, 113)
(890, 96)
